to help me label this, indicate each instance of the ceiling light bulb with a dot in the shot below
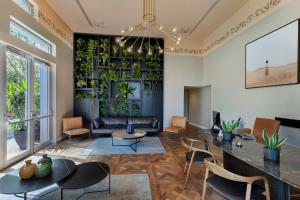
(149, 52)
(161, 50)
(131, 28)
(122, 31)
(140, 50)
(160, 27)
(118, 40)
(179, 38)
(178, 42)
(122, 44)
(172, 49)
(129, 49)
(174, 30)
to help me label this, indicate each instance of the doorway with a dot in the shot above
(25, 105)
(197, 106)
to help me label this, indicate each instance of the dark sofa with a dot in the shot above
(107, 125)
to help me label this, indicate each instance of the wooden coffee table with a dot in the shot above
(123, 135)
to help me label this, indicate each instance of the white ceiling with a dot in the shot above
(110, 16)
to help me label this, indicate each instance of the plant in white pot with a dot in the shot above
(272, 144)
(228, 127)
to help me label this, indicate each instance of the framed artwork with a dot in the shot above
(272, 59)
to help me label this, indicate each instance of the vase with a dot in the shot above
(28, 170)
(45, 159)
(227, 136)
(21, 139)
(130, 129)
(43, 169)
(271, 155)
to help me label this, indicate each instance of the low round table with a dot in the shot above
(12, 184)
(123, 135)
(86, 175)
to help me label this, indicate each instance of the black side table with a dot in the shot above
(86, 175)
(12, 184)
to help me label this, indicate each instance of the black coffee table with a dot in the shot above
(12, 184)
(86, 175)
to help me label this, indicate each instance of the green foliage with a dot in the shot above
(229, 126)
(125, 56)
(80, 83)
(116, 50)
(136, 55)
(112, 75)
(135, 109)
(103, 51)
(272, 142)
(81, 95)
(136, 70)
(124, 90)
(16, 98)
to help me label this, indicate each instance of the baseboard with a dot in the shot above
(60, 138)
(197, 125)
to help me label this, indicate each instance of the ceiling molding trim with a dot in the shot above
(84, 13)
(233, 32)
(204, 16)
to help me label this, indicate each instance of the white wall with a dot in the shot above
(179, 71)
(62, 66)
(224, 70)
(200, 106)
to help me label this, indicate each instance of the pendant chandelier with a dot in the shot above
(149, 26)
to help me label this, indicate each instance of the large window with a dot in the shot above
(25, 5)
(24, 33)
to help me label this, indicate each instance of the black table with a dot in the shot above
(86, 175)
(248, 161)
(12, 184)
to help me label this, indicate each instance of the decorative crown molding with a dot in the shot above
(245, 23)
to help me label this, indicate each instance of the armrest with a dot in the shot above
(159, 125)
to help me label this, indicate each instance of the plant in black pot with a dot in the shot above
(272, 144)
(228, 128)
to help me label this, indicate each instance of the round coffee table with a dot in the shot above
(123, 135)
(12, 184)
(86, 175)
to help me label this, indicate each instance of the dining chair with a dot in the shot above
(232, 186)
(271, 125)
(195, 155)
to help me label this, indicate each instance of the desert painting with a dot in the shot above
(273, 59)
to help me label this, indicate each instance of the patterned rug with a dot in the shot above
(123, 186)
(103, 146)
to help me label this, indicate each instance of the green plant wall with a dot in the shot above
(105, 72)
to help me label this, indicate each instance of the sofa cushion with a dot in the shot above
(140, 120)
(98, 122)
(155, 123)
(139, 126)
(107, 121)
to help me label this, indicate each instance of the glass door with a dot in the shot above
(41, 110)
(16, 116)
(27, 111)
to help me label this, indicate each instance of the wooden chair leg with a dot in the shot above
(204, 184)
(185, 167)
(189, 169)
(248, 191)
(267, 189)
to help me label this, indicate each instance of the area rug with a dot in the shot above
(148, 145)
(68, 151)
(123, 186)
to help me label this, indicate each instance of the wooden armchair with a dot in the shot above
(74, 126)
(271, 125)
(195, 155)
(233, 186)
(178, 124)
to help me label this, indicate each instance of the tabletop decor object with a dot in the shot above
(228, 128)
(27, 171)
(43, 168)
(130, 129)
(45, 158)
(272, 144)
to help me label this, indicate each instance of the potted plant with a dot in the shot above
(228, 128)
(272, 144)
(16, 107)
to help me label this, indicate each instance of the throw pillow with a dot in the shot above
(155, 123)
